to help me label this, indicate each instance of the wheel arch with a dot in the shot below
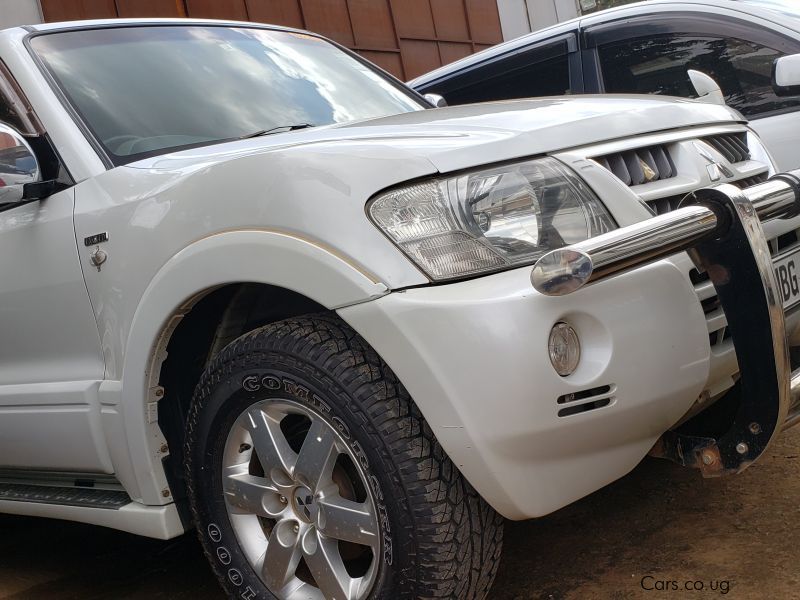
(226, 281)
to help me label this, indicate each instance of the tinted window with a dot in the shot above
(539, 77)
(659, 65)
(143, 90)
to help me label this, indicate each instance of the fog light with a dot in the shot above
(564, 348)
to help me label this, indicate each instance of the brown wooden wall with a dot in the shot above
(405, 37)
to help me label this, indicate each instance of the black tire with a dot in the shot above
(439, 538)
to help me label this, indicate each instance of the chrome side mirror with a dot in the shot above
(786, 75)
(18, 165)
(437, 100)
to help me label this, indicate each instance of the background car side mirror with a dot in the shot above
(786, 75)
(18, 166)
(437, 100)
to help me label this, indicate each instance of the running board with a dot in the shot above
(64, 496)
(160, 522)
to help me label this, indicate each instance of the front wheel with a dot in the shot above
(312, 474)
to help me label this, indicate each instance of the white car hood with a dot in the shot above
(464, 136)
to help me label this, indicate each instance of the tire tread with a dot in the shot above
(458, 537)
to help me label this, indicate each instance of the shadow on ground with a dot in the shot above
(661, 523)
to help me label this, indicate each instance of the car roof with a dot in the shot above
(645, 7)
(103, 23)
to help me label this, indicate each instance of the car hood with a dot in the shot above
(464, 136)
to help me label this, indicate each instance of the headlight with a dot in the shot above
(491, 219)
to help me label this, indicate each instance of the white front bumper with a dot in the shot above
(473, 355)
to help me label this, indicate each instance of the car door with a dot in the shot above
(544, 67)
(50, 357)
(652, 54)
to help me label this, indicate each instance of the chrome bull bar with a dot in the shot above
(721, 229)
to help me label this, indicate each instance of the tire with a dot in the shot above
(410, 525)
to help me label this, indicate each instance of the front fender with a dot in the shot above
(248, 255)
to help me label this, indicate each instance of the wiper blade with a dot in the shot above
(278, 129)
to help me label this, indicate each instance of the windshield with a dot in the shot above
(146, 90)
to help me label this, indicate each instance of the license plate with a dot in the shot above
(787, 273)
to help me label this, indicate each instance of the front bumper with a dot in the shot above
(474, 357)
(474, 354)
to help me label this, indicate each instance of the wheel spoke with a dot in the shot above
(328, 570)
(246, 491)
(317, 457)
(348, 521)
(270, 443)
(282, 556)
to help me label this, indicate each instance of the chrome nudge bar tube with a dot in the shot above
(721, 229)
(565, 270)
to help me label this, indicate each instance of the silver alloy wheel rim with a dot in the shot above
(297, 495)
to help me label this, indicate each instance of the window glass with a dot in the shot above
(145, 90)
(549, 77)
(7, 114)
(659, 65)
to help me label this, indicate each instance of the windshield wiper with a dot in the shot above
(278, 129)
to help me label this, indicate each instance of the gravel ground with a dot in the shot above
(660, 524)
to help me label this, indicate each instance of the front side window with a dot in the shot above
(659, 65)
(146, 90)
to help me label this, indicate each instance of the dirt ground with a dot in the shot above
(660, 524)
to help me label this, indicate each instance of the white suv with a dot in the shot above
(253, 285)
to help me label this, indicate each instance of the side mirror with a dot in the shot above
(18, 166)
(437, 100)
(707, 89)
(786, 75)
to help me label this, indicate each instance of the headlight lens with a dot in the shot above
(490, 219)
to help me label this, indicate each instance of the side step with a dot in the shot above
(64, 496)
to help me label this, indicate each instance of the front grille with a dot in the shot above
(667, 204)
(664, 205)
(754, 180)
(642, 165)
(733, 146)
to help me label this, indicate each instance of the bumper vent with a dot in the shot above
(643, 165)
(583, 401)
(733, 146)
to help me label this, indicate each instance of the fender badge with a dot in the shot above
(95, 239)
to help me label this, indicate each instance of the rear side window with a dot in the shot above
(659, 65)
(543, 71)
